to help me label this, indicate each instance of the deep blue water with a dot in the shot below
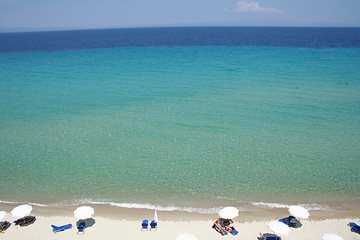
(180, 36)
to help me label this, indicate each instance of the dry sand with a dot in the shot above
(106, 228)
(125, 224)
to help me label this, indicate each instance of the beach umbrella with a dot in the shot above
(278, 227)
(299, 212)
(21, 211)
(186, 236)
(330, 236)
(156, 219)
(84, 212)
(2, 215)
(229, 212)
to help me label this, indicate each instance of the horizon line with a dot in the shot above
(54, 29)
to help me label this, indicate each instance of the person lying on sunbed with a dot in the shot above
(229, 227)
(217, 226)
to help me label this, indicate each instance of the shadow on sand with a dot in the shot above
(89, 222)
(298, 224)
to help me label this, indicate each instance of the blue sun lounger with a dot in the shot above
(61, 228)
(220, 230)
(233, 231)
(4, 226)
(81, 227)
(283, 221)
(144, 225)
(354, 227)
(268, 236)
(153, 225)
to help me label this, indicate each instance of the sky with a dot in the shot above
(79, 14)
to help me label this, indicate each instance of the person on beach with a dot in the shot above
(219, 228)
(229, 227)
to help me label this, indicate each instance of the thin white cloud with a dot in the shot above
(8, 1)
(244, 6)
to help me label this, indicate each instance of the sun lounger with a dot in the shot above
(4, 226)
(354, 227)
(233, 231)
(61, 228)
(153, 225)
(144, 225)
(25, 221)
(283, 221)
(81, 227)
(269, 236)
(292, 221)
(219, 230)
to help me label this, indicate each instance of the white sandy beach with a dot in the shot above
(125, 223)
(107, 228)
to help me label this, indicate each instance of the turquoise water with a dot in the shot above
(182, 126)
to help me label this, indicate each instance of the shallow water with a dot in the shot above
(181, 126)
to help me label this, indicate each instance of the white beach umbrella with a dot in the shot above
(229, 212)
(2, 215)
(330, 236)
(21, 211)
(84, 212)
(156, 219)
(186, 236)
(278, 227)
(299, 212)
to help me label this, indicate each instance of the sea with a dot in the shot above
(181, 118)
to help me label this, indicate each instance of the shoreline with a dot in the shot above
(121, 223)
(261, 212)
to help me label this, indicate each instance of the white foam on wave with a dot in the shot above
(60, 204)
(168, 208)
(158, 207)
(8, 202)
(279, 205)
(122, 205)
